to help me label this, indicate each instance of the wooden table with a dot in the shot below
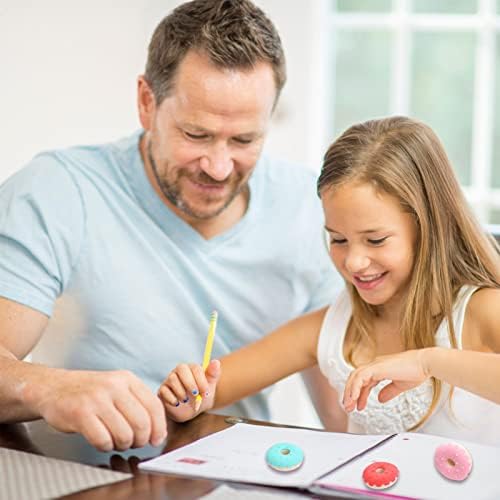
(37, 437)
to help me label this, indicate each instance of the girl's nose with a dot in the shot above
(356, 262)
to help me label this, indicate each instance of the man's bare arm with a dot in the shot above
(20, 330)
(111, 409)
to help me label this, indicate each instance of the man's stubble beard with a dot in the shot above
(172, 193)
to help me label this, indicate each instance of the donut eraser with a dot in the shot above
(284, 457)
(453, 461)
(380, 475)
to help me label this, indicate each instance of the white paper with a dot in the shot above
(238, 454)
(413, 454)
(226, 492)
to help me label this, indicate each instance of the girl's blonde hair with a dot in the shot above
(404, 158)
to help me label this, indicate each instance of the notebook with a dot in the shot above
(333, 463)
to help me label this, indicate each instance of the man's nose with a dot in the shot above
(218, 163)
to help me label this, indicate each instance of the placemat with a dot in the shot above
(25, 476)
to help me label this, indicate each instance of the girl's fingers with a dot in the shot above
(167, 396)
(354, 385)
(175, 384)
(204, 381)
(187, 378)
(213, 371)
(200, 384)
(390, 391)
(187, 381)
(358, 389)
(364, 394)
(362, 380)
(348, 388)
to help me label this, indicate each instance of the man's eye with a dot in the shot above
(337, 241)
(195, 136)
(377, 242)
(240, 140)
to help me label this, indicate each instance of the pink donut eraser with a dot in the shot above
(453, 461)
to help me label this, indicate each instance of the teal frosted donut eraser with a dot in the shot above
(284, 457)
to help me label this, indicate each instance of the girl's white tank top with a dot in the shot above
(468, 416)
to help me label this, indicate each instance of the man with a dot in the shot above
(114, 255)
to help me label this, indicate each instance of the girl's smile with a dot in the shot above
(368, 282)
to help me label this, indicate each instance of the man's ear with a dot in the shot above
(146, 103)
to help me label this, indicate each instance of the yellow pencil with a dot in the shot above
(208, 351)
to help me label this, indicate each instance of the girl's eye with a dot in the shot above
(377, 242)
(337, 241)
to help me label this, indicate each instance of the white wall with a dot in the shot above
(68, 76)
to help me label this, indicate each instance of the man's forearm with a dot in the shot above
(18, 387)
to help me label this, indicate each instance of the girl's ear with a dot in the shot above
(146, 103)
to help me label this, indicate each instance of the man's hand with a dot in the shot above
(112, 410)
(180, 389)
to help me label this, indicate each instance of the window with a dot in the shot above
(435, 60)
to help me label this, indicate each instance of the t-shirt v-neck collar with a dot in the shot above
(167, 220)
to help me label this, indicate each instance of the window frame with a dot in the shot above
(403, 22)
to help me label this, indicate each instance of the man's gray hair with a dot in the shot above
(233, 34)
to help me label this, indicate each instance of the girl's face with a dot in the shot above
(372, 241)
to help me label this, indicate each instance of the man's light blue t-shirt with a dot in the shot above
(86, 240)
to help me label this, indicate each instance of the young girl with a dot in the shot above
(413, 342)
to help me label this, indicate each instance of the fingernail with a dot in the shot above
(158, 441)
(108, 447)
(195, 392)
(185, 400)
(177, 404)
(206, 394)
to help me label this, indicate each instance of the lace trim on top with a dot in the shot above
(405, 410)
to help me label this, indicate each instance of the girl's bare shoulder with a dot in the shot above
(484, 301)
(483, 316)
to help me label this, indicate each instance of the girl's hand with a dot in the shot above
(406, 370)
(180, 389)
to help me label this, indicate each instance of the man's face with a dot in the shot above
(203, 141)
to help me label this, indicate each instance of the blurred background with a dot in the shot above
(68, 76)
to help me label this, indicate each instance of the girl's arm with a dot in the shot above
(477, 368)
(289, 349)
(473, 369)
(326, 401)
(476, 372)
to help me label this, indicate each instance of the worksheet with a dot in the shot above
(238, 454)
(413, 454)
(334, 463)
